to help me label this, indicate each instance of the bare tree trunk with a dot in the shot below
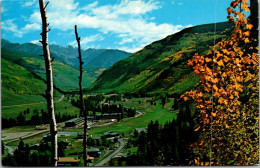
(82, 110)
(49, 79)
(254, 17)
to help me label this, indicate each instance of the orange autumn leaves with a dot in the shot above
(227, 95)
(224, 71)
(239, 20)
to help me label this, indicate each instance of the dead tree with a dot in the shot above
(82, 110)
(49, 82)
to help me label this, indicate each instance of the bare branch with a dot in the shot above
(46, 5)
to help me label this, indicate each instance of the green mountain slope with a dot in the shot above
(107, 58)
(65, 77)
(19, 86)
(162, 65)
(17, 79)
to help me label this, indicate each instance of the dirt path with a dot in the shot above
(31, 103)
(25, 136)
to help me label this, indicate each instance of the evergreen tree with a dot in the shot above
(3, 147)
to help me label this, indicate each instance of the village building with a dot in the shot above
(94, 152)
(111, 134)
(68, 161)
(139, 130)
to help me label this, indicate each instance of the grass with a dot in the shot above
(10, 98)
(131, 150)
(30, 140)
(127, 125)
(64, 107)
(28, 128)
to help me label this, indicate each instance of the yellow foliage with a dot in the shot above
(10, 67)
(30, 61)
(18, 78)
(235, 69)
(166, 59)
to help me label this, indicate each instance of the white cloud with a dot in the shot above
(31, 27)
(131, 49)
(85, 40)
(178, 3)
(35, 17)
(62, 5)
(92, 38)
(10, 26)
(53, 42)
(3, 10)
(127, 7)
(36, 42)
(126, 40)
(128, 18)
(29, 3)
(90, 6)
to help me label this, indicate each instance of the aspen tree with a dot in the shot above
(49, 81)
(82, 110)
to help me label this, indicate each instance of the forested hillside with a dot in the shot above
(65, 77)
(162, 65)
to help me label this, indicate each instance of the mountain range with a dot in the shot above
(101, 58)
(23, 71)
(160, 67)
(95, 60)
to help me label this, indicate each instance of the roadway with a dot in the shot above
(109, 156)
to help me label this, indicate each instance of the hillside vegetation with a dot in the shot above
(161, 66)
(65, 77)
(19, 85)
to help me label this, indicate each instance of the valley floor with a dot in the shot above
(117, 146)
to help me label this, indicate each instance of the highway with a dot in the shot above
(107, 158)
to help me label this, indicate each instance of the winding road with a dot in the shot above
(107, 158)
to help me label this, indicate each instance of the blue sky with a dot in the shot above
(119, 24)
